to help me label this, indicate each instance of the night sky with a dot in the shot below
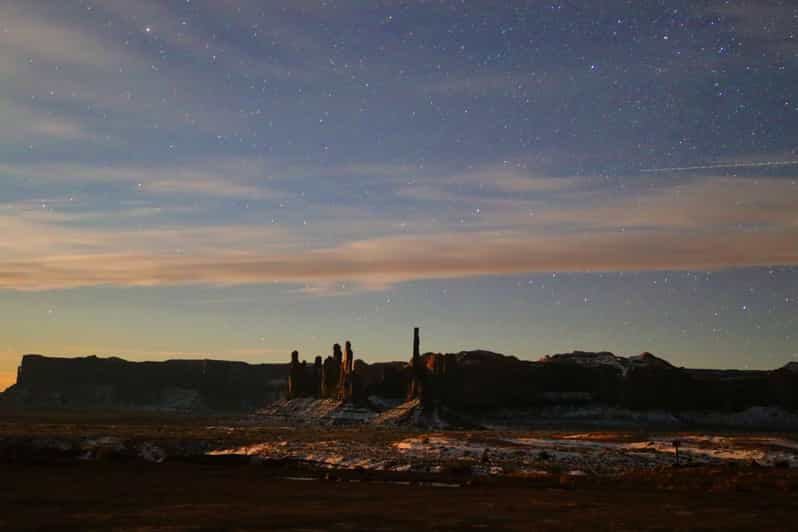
(236, 179)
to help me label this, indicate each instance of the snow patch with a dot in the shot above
(308, 410)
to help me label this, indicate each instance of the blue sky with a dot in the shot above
(237, 179)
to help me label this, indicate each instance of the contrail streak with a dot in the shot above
(722, 165)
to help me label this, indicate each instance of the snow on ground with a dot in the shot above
(400, 414)
(605, 359)
(91, 448)
(661, 451)
(333, 454)
(329, 412)
(491, 454)
(757, 416)
(412, 414)
(601, 415)
(318, 411)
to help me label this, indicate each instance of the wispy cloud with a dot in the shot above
(29, 124)
(705, 204)
(209, 187)
(161, 75)
(31, 38)
(382, 262)
(507, 179)
(232, 178)
(707, 225)
(104, 75)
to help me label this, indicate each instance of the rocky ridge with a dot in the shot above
(468, 388)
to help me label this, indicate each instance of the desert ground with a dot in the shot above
(141, 471)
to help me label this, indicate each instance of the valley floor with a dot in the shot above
(129, 471)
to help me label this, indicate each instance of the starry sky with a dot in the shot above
(236, 179)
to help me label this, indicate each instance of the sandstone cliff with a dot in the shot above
(465, 381)
(485, 380)
(172, 384)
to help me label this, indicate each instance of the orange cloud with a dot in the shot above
(380, 262)
(231, 178)
(707, 225)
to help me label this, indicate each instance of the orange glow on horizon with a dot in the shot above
(7, 378)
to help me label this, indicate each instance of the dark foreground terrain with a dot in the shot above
(51, 487)
(178, 496)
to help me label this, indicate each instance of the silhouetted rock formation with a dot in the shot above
(301, 381)
(465, 381)
(331, 373)
(335, 378)
(346, 384)
(486, 380)
(418, 374)
(479, 379)
(435, 376)
(172, 384)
